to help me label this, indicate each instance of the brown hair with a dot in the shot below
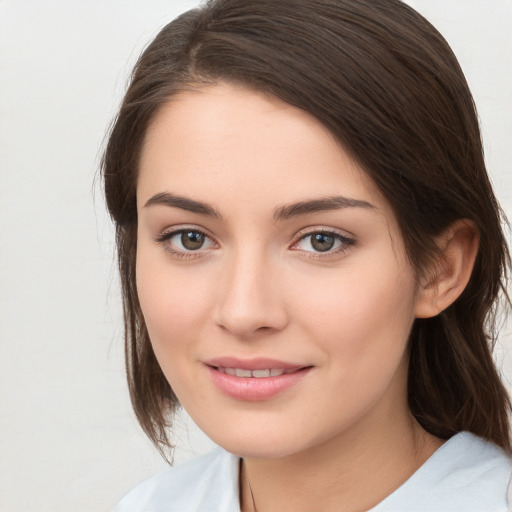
(388, 86)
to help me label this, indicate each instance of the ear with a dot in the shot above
(451, 272)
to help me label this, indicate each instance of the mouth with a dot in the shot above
(256, 374)
(255, 380)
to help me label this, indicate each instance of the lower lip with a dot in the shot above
(254, 389)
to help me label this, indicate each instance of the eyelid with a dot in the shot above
(324, 229)
(167, 234)
(170, 231)
(347, 240)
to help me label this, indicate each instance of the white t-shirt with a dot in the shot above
(467, 474)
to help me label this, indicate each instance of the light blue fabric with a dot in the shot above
(466, 474)
(206, 484)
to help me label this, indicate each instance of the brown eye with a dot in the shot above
(186, 243)
(322, 242)
(192, 240)
(325, 243)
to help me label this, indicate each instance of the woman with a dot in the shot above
(311, 257)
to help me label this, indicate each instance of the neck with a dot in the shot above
(358, 469)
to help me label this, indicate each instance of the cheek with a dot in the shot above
(363, 318)
(173, 305)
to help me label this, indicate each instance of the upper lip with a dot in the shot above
(259, 363)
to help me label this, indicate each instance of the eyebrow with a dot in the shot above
(281, 213)
(319, 205)
(166, 199)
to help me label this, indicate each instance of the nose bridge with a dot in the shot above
(250, 300)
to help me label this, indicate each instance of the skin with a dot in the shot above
(258, 288)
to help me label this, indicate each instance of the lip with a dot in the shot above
(258, 363)
(251, 388)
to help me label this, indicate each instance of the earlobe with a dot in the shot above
(458, 246)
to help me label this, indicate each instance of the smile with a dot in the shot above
(257, 374)
(251, 381)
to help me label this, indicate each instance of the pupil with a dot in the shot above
(192, 240)
(322, 242)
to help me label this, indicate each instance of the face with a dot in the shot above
(271, 274)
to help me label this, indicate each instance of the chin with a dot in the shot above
(263, 443)
(251, 449)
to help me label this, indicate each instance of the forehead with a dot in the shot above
(224, 139)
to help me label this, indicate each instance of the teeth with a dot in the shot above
(258, 374)
(243, 373)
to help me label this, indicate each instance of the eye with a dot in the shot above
(326, 242)
(190, 240)
(184, 242)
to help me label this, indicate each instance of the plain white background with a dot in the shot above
(68, 439)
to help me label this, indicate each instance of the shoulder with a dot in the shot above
(466, 473)
(206, 484)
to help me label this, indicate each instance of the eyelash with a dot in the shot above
(344, 243)
(165, 241)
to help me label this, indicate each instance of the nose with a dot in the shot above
(251, 298)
